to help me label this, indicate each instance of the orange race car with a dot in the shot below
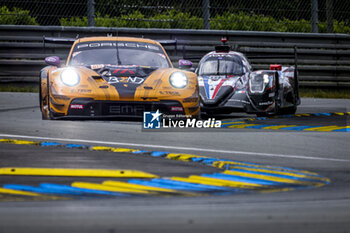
(109, 77)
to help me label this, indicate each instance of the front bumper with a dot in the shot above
(230, 105)
(90, 108)
(249, 104)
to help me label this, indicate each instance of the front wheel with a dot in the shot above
(44, 103)
(45, 114)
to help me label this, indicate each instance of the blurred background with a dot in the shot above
(246, 15)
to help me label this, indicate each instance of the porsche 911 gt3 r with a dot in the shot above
(116, 77)
(228, 84)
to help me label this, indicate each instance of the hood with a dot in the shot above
(125, 78)
(214, 89)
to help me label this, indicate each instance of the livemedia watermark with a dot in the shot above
(158, 120)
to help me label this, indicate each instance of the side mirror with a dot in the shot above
(53, 61)
(185, 64)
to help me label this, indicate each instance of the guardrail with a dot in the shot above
(323, 59)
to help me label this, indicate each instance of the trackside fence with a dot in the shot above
(323, 59)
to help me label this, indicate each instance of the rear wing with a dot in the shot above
(226, 48)
(294, 56)
(168, 42)
(57, 40)
(66, 40)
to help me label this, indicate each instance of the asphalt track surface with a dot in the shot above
(325, 209)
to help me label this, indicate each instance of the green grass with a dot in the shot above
(325, 93)
(18, 88)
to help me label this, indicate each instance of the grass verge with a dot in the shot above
(18, 88)
(325, 93)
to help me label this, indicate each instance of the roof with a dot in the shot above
(225, 53)
(119, 38)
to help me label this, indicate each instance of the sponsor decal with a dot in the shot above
(239, 100)
(174, 93)
(120, 44)
(266, 103)
(81, 91)
(176, 109)
(220, 56)
(77, 106)
(126, 109)
(97, 66)
(156, 120)
(134, 80)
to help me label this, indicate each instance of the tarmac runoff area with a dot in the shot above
(304, 209)
(167, 174)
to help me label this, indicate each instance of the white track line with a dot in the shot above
(176, 148)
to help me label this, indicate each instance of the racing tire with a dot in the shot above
(45, 110)
(46, 115)
(40, 96)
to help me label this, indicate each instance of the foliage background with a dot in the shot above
(252, 15)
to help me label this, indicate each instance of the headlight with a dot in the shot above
(70, 77)
(257, 83)
(178, 80)
(266, 79)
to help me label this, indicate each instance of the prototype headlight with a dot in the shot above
(257, 83)
(178, 80)
(70, 77)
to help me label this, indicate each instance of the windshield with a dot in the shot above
(221, 65)
(127, 53)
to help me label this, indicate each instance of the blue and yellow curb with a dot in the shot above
(246, 123)
(235, 177)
